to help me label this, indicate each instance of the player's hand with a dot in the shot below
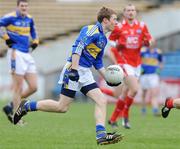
(10, 43)
(73, 75)
(110, 84)
(120, 46)
(34, 46)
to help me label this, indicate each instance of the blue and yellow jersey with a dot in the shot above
(19, 29)
(90, 46)
(150, 60)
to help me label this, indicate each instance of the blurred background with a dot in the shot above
(59, 21)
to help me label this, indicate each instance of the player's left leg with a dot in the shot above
(154, 92)
(153, 82)
(102, 136)
(31, 80)
(133, 86)
(17, 89)
(143, 101)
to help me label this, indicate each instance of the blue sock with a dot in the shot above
(31, 106)
(100, 131)
(155, 110)
(143, 110)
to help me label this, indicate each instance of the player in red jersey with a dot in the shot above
(128, 37)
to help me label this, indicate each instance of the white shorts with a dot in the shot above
(20, 63)
(85, 78)
(149, 81)
(131, 71)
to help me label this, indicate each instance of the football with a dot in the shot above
(114, 74)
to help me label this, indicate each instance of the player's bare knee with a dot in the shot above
(133, 92)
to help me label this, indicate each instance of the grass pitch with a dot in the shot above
(76, 130)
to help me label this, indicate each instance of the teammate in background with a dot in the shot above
(87, 51)
(169, 104)
(149, 80)
(128, 38)
(19, 27)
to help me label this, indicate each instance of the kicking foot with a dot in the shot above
(110, 138)
(20, 112)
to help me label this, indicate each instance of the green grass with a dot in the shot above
(76, 130)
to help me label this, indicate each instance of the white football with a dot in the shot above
(114, 74)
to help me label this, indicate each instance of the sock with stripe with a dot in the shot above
(31, 106)
(100, 131)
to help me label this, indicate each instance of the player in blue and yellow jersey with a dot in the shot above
(19, 26)
(87, 51)
(151, 65)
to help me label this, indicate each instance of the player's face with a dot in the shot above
(112, 22)
(130, 12)
(23, 8)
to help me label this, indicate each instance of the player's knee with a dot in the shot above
(133, 92)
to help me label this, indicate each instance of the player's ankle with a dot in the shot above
(100, 131)
(169, 103)
(30, 106)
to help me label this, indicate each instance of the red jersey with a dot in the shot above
(117, 55)
(130, 39)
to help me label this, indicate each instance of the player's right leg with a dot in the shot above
(121, 89)
(17, 68)
(46, 105)
(31, 80)
(133, 87)
(17, 89)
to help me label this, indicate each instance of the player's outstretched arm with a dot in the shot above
(102, 72)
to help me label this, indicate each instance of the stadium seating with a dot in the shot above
(171, 65)
(55, 18)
